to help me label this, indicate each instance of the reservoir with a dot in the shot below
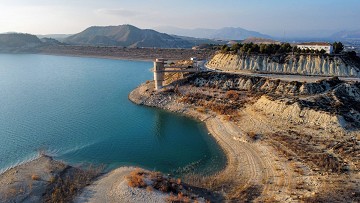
(77, 110)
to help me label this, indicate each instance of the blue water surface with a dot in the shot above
(77, 110)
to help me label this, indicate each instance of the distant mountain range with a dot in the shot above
(126, 36)
(354, 34)
(131, 36)
(226, 33)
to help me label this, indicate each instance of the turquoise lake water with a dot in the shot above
(77, 110)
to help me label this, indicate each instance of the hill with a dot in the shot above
(18, 40)
(126, 36)
(257, 40)
(226, 33)
(354, 34)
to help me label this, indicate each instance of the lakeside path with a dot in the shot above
(253, 171)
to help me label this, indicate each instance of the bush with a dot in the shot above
(136, 179)
(35, 177)
(232, 95)
(338, 47)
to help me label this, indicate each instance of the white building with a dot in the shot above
(317, 46)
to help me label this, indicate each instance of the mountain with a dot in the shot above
(127, 36)
(201, 41)
(354, 34)
(12, 41)
(226, 33)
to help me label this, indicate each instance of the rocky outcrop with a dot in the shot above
(287, 64)
(331, 103)
(296, 114)
(229, 81)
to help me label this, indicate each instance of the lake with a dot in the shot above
(77, 110)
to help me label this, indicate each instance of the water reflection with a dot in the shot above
(159, 125)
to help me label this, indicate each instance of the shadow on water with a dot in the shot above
(159, 122)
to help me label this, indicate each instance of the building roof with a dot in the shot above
(316, 43)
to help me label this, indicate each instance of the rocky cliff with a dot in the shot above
(332, 100)
(288, 64)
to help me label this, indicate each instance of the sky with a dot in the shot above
(289, 18)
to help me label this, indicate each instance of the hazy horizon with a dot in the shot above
(276, 18)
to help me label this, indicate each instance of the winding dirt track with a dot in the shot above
(251, 166)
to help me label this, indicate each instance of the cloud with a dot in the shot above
(120, 12)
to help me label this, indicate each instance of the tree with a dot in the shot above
(263, 48)
(225, 48)
(352, 54)
(338, 47)
(236, 47)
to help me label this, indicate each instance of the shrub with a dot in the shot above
(136, 179)
(35, 177)
(252, 135)
(231, 94)
(180, 198)
(66, 186)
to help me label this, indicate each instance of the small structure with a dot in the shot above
(317, 46)
(160, 69)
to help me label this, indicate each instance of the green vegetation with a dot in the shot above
(251, 48)
(278, 49)
(338, 47)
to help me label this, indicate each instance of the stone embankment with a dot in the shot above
(304, 64)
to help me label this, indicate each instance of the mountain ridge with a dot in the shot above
(346, 34)
(225, 33)
(126, 36)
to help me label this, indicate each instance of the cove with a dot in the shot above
(77, 110)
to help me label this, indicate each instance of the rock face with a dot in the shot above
(331, 104)
(287, 64)
(229, 81)
(295, 113)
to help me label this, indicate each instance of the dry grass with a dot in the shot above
(295, 145)
(66, 186)
(136, 179)
(179, 198)
(179, 191)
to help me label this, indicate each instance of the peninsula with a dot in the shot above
(286, 140)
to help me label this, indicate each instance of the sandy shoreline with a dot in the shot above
(244, 161)
(261, 170)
